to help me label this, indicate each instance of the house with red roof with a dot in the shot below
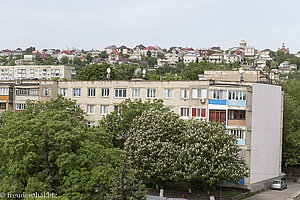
(114, 56)
(152, 50)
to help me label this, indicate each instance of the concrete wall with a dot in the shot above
(266, 132)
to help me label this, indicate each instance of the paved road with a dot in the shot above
(277, 194)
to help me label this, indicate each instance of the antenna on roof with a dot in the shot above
(144, 73)
(108, 70)
(241, 71)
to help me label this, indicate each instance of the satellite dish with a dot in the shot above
(144, 71)
(138, 72)
(108, 70)
(241, 70)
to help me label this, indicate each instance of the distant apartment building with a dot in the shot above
(36, 72)
(243, 106)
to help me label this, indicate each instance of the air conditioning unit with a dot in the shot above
(202, 100)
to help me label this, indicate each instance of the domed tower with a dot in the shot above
(243, 43)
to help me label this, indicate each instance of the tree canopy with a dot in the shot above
(161, 147)
(49, 148)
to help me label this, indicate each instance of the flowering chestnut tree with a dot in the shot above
(161, 147)
(210, 155)
(152, 145)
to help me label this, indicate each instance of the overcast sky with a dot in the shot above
(194, 23)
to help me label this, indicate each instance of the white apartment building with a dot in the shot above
(36, 72)
(244, 107)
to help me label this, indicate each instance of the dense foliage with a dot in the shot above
(49, 148)
(161, 147)
(118, 123)
(291, 120)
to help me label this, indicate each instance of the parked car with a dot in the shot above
(278, 185)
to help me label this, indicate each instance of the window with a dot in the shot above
(203, 112)
(64, 92)
(120, 93)
(2, 106)
(77, 105)
(21, 73)
(171, 109)
(135, 92)
(198, 93)
(91, 92)
(185, 94)
(76, 92)
(240, 134)
(196, 112)
(105, 92)
(4, 91)
(20, 106)
(217, 94)
(27, 92)
(90, 124)
(117, 108)
(105, 110)
(169, 93)
(217, 115)
(46, 91)
(237, 95)
(184, 112)
(237, 114)
(151, 93)
(91, 109)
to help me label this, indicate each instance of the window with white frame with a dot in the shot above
(77, 105)
(20, 106)
(104, 92)
(104, 109)
(91, 109)
(171, 109)
(169, 93)
(217, 94)
(46, 91)
(237, 95)
(198, 112)
(21, 73)
(64, 92)
(120, 93)
(198, 93)
(91, 92)
(4, 91)
(76, 92)
(185, 93)
(27, 92)
(90, 124)
(135, 92)
(184, 112)
(117, 108)
(240, 134)
(151, 93)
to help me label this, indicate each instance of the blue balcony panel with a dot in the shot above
(241, 103)
(217, 101)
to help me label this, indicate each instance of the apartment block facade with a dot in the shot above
(36, 72)
(251, 111)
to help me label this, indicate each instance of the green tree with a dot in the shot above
(153, 146)
(126, 186)
(161, 147)
(210, 155)
(118, 123)
(64, 60)
(49, 148)
(291, 120)
(95, 72)
(149, 53)
(124, 71)
(103, 54)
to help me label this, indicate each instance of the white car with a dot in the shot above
(278, 185)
